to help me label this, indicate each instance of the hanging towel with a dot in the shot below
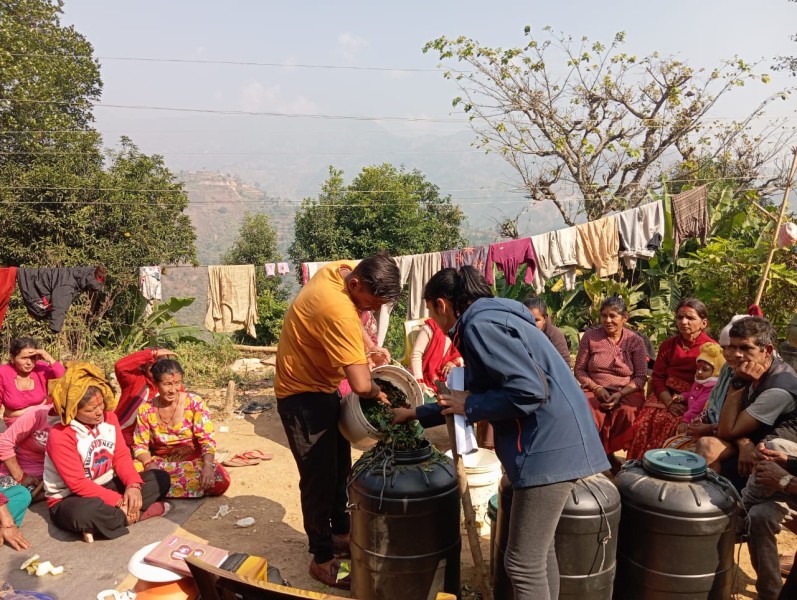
(8, 279)
(598, 246)
(311, 268)
(232, 299)
(271, 269)
(149, 280)
(508, 256)
(474, 256)
(556, 255)
(689, 216)
(641, 231)
(185, 281)
(417, 269)
(283, 268)
(49, 292)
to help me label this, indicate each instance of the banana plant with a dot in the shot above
(159, 328)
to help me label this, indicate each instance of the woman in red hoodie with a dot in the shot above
(89, 478)
(133, 372)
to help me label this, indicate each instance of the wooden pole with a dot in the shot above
(470, 516)
(778, 223)
(228, 404)
(268, 349)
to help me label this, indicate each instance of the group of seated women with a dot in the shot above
(67, 444)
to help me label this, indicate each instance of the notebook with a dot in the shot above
(171, 552)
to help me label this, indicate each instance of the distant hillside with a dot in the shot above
(217, 205)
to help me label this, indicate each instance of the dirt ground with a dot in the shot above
(269, 493)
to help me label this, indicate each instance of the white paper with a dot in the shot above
(465, 437)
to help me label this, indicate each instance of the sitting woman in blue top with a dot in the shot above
(544, 434)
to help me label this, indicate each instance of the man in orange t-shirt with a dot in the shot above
(321, 343)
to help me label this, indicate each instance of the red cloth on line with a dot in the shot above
(8, 279)
(435, 356)
(509, 256)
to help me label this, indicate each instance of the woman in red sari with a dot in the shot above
(433, 356)
(611, 367)
(673, 374)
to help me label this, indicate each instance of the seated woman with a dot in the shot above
(539, 310)
(611, 367)
(90, 480)
(135, 380)
(14, 501)
(23, 381)
(673, 374)
(433, 356)
(174, 433)
(22, 446)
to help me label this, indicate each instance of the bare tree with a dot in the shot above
(592, 128)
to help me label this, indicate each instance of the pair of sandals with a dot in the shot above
(253, 408)
(247, 459)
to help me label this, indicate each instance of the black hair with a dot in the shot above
(165, 366)
(696, 305)
(460, 287)
(381, 274)
(91, 391)
(532, 302)
(615, 302)
(19, 344)
(757, 328)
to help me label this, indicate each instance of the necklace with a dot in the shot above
(24, 384)
(168, 421)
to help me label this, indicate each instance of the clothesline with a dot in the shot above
(597, 245)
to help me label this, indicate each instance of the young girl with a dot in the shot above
(709, 362)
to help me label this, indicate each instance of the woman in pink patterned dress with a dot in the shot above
(174, 433)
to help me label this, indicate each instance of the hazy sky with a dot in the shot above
(376, 35)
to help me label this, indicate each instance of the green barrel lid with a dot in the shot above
(674, 464)
(492, 507)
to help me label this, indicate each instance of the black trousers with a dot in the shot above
(790, 586)
(78, 514)
(323, 456)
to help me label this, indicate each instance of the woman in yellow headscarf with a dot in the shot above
(89, 478)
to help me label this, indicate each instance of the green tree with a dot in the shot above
(588, 126)
(257, 244)
(63, 200)
(384, 208)
(787, 63)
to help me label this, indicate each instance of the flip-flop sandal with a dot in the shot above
(240, 460)
(256, 455)
(256, 407)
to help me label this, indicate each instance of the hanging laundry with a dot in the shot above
(474, 256)
(8, 279)
(598, 246)
(232, 299)
(556, 255)
(184, 281)
(641, 231)
(787, 235)
(49, 292)
(689, 216)
(311, 268)
(283, 268)
(271, 269)
(508, 256)
(149, 279)
(417, 269)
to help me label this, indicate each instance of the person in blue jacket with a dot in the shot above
(545, 437)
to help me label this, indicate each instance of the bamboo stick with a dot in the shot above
(470, 516)
(778, 223)
(268, 349)
(230, 400)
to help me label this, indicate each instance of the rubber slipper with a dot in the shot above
(241, 461)
(256, 455)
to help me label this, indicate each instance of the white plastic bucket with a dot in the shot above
(483, 470)
(353, 424)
